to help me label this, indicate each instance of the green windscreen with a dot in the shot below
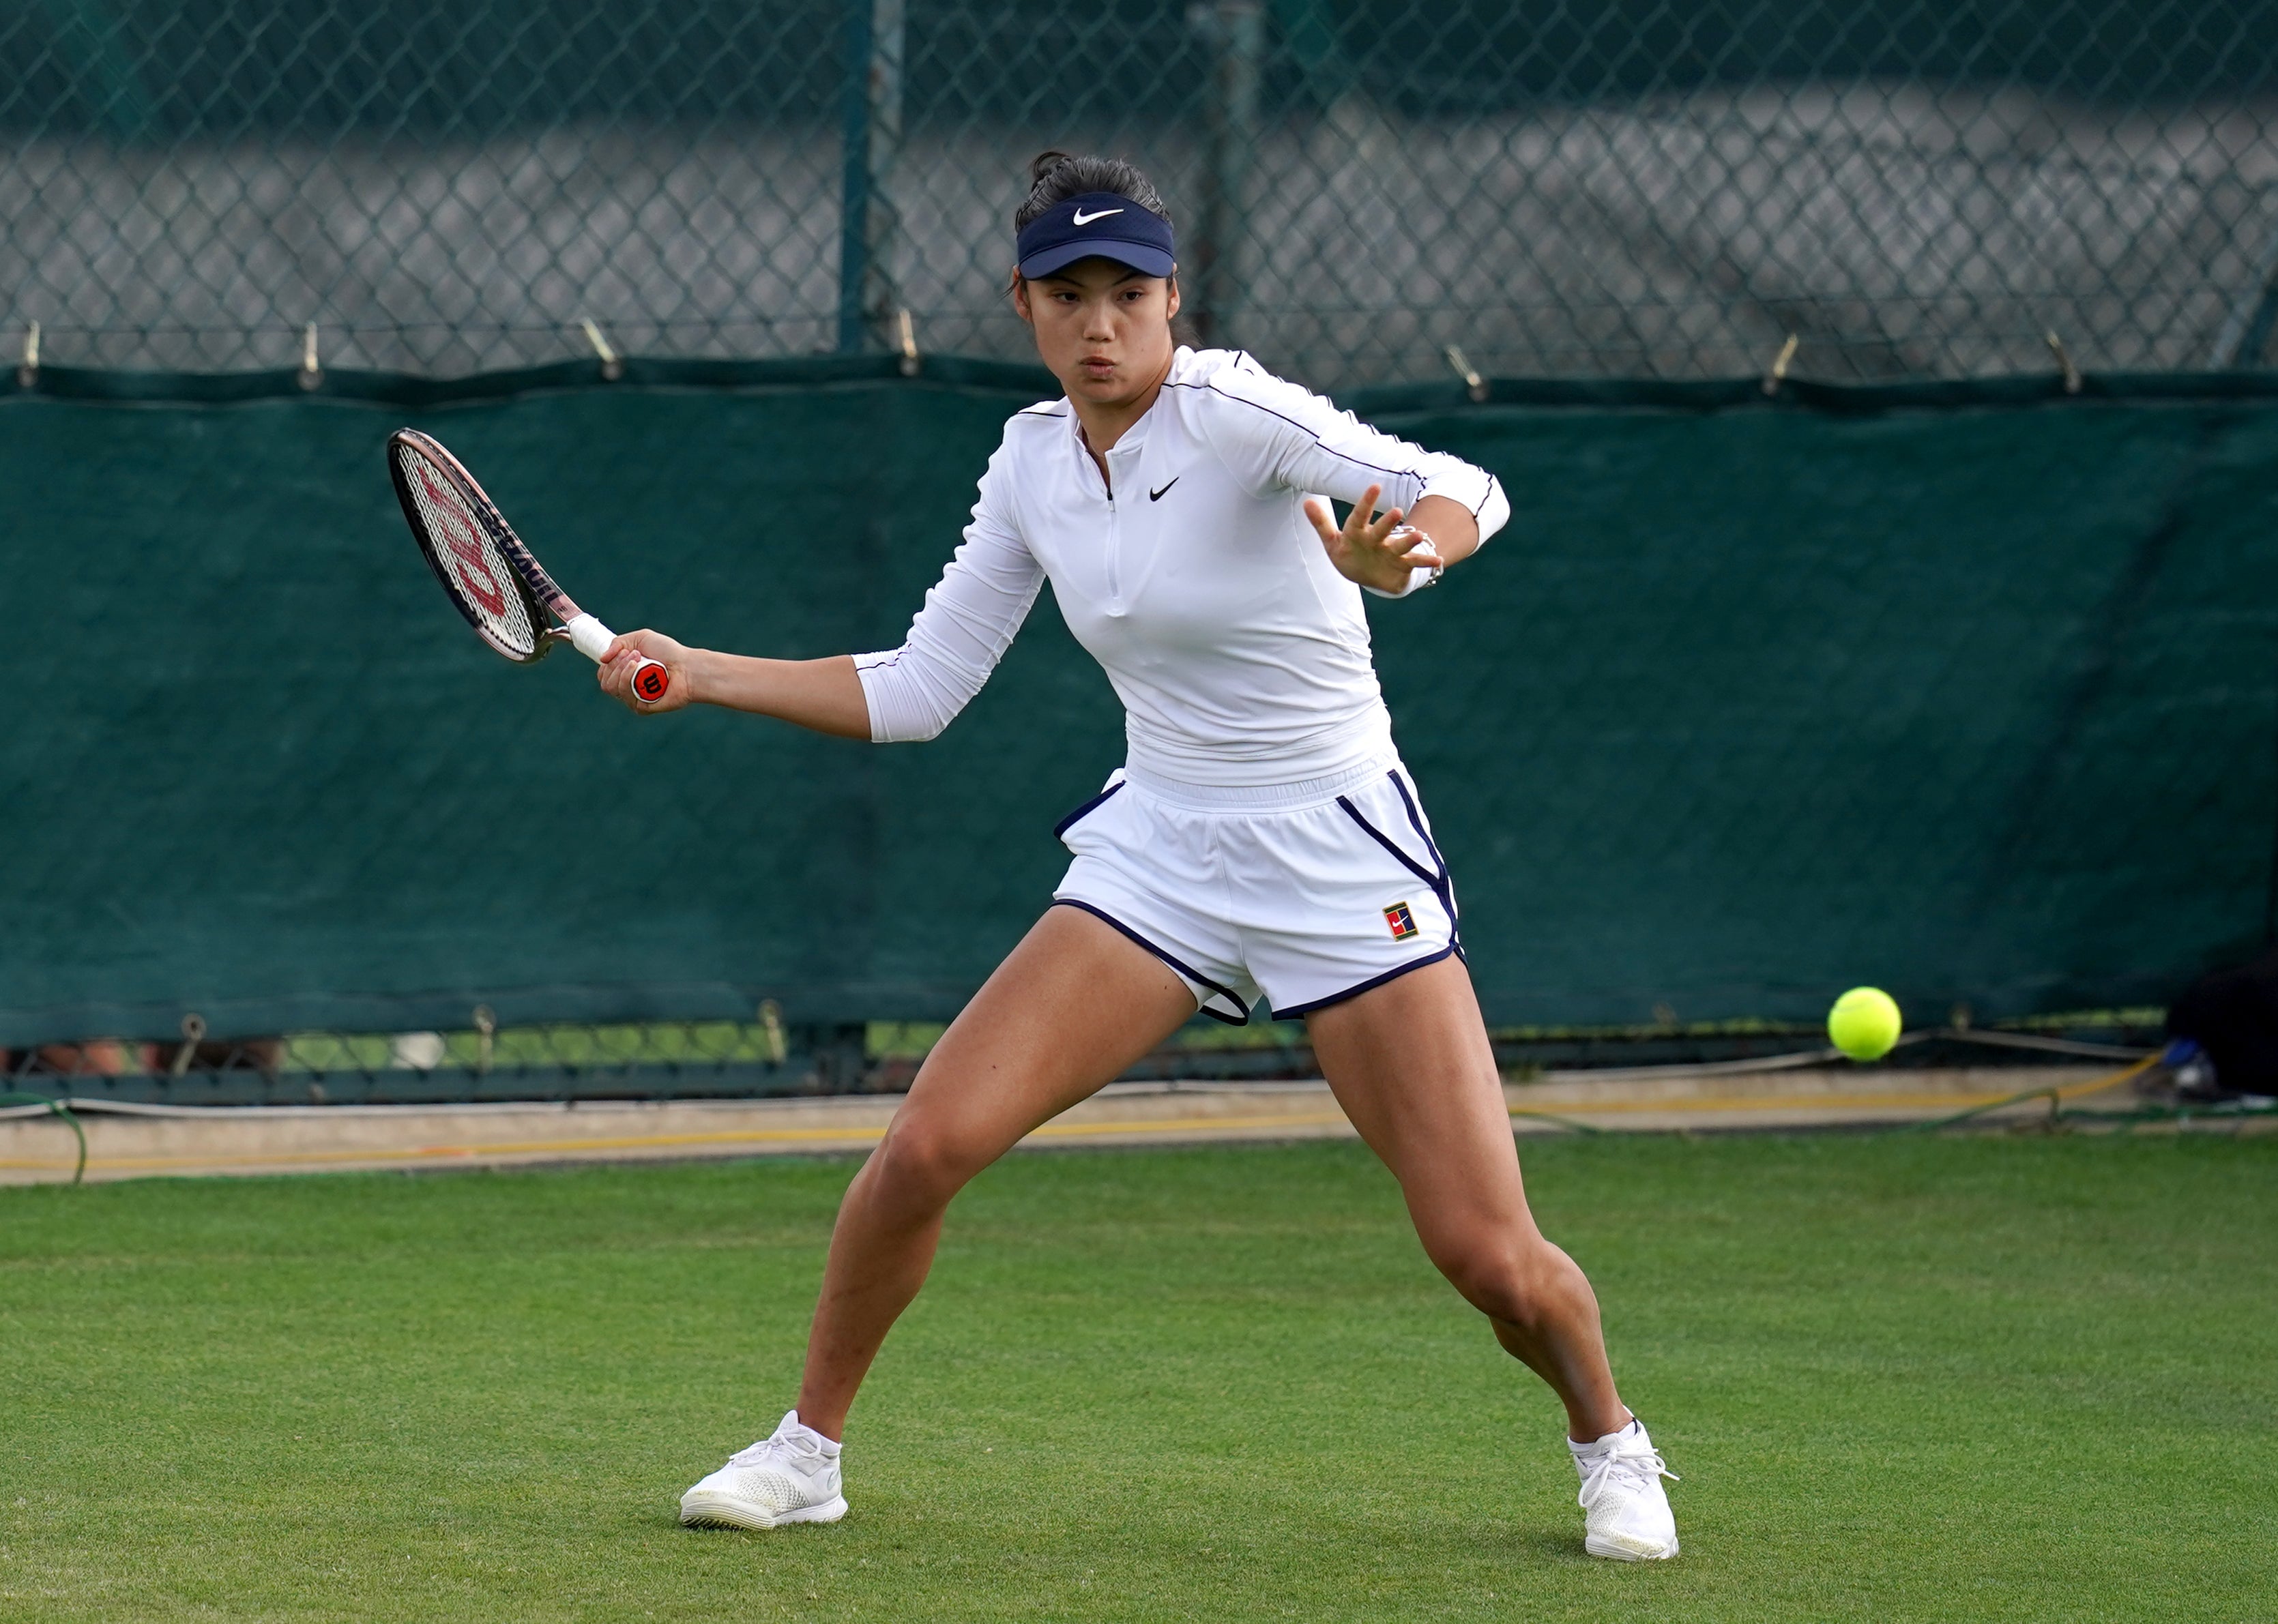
(1968, 693)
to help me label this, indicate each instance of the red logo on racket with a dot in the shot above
(468, 547)
(1403, 922)
(650, 683)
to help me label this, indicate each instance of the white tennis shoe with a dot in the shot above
(791, 1477)
(1625, 1510)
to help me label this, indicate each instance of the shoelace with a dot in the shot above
(769, 1451)
(1630, 1468)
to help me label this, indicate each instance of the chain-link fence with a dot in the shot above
(1631, 188)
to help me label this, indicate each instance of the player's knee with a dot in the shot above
(1507, 1279)
(927, 1163)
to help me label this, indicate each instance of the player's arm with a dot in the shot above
(1436, 509)
(1383, 549)
(908, 693)
(825, 695)
(1453, 528)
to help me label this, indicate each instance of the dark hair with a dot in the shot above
(1055, 177)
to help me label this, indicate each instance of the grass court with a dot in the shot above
(1991, 1378)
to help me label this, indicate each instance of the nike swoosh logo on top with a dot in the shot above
(1157, 496)
(1082, 218)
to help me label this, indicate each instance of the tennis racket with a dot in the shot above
(490, 575)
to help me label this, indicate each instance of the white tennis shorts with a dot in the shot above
(1307, 893)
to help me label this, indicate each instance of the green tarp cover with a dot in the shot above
(1968, 690)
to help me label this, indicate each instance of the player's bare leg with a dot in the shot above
(1069, 1011)
(1075, 1004)
(1410, 1064)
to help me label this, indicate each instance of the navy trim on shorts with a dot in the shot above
(1376, 835)
(1415, 820)
(1085, 811)
(1442, 884)
(1282, 1014)
(1192, 974)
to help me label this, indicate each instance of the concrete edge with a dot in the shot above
(202, 1141)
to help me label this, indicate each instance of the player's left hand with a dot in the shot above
(1379, 552)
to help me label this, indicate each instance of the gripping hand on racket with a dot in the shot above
(624, 657)
(825, 694)
(1381, 554)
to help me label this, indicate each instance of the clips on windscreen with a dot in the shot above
(613, 365)
(1474, 386)
(1777, 376)
(2072, 380)
(909, 362)
(312, 372)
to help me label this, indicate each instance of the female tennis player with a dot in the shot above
(1262, 837)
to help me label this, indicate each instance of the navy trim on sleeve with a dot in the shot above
(1390, 473)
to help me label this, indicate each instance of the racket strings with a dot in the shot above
(472, 568)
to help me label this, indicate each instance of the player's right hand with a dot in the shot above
(624, 657)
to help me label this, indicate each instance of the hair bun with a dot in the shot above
(1055, 176)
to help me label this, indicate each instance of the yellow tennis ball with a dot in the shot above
(1864, 1023)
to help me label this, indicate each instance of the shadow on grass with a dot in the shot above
(1562, 1545)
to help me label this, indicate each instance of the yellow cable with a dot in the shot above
(2113, 1080)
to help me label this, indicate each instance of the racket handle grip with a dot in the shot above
(651, 681)
(590, 637)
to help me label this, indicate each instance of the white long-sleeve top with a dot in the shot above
(1191, 574)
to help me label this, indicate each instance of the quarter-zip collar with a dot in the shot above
(1133, 438)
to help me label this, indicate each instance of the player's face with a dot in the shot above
(1104, 329)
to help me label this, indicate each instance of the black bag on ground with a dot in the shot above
(2233, 1014)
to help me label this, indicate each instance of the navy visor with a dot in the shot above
(1104, 224)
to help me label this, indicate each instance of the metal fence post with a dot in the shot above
(1237, 32)
(867, 298)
